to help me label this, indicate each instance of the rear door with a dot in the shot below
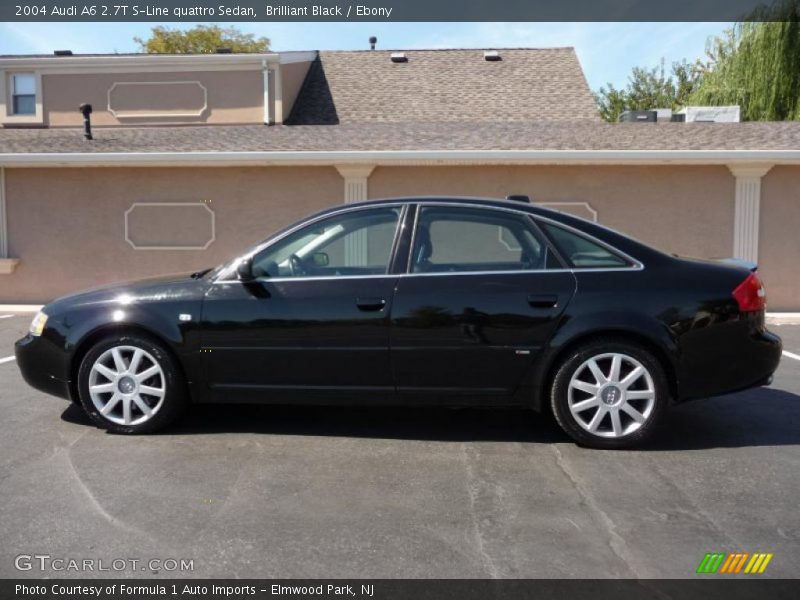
(482, 295)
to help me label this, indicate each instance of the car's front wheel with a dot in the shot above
(130, 384)
(609, 394)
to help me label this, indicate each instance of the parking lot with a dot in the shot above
(388, 493)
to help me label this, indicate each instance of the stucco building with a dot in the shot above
(196, 157)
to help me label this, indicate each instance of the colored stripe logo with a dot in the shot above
(734, 562)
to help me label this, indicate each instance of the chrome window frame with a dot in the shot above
(635, 265)
(230, 269)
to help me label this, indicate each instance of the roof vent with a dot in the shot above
(492, 56)
(399, 57)
(224, 50)
(519, 198)
(62, 52)
(372, 41)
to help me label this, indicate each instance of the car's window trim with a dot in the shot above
(226, 273)
(635, 264)
(566, 266)
(421, 206)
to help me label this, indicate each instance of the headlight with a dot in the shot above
(38, 323)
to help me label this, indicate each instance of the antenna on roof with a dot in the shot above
(372, 41)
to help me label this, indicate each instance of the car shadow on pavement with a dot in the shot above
(762, 417)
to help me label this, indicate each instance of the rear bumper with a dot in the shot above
(739, 356)
(41, 367)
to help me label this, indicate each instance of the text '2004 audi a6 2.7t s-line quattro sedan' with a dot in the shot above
(426, 301)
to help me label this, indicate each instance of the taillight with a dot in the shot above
(750, 294)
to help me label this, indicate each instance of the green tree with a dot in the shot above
(202, 39)
(757, 66)
(649, 88)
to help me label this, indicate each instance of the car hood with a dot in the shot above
(177, 287)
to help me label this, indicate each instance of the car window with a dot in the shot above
(457, 239)
(581, 252)
(354, 243)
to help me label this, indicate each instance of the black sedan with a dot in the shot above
(426, 301)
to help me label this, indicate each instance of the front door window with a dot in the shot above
(350, 244)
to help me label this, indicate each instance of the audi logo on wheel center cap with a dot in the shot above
(127, 385)
(611, 395)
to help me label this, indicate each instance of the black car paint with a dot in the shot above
(490, 338)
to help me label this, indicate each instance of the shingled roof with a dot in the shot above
(444, 86)
(370, 137)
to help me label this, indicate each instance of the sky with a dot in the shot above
(607, 51)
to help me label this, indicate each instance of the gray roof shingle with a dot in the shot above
(444, 86)
(411, 136)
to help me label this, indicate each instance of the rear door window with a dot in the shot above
(451, 239)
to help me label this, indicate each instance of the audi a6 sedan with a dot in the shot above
(425, 301)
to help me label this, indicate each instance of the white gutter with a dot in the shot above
(137, 60)
(403, 157)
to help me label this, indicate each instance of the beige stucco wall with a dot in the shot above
(686, 210)
(779, 237)
(67, 225)
(233, 97)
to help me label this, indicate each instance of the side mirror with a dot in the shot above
(244, 270)
(320, 259)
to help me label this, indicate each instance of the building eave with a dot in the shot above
(145, 61)
(403, 158)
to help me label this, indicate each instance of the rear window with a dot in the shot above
(582, 252)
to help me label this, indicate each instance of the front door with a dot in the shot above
(314, 324)
(482, 297)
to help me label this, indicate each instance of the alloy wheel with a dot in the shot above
(127, 385)
(611, 395)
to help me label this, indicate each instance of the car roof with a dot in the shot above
(493, 202)
(615, 238)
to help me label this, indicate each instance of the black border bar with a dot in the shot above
(381, 10)
(711, 587)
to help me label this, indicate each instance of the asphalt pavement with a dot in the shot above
(393, 493)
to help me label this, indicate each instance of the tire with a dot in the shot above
(600, 410)
(154, 383)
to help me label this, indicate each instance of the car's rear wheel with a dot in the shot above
(130, 384)
(609, 394)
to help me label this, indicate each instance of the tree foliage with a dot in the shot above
(202, 39)
(649, 88)
(757, 66)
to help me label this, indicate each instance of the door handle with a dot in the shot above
(543, 300)
(370, 304)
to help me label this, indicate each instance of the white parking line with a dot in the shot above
(791, 355)
(7, 359)
(6, 316)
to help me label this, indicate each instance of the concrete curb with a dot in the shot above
(19, 308)
(783, 318)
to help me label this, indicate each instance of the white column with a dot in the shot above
(267, 111)
(356, 248)
(747, 209)
(3, 221)
(278, 91)
(7, 264)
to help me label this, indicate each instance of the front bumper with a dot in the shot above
(42, 367)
